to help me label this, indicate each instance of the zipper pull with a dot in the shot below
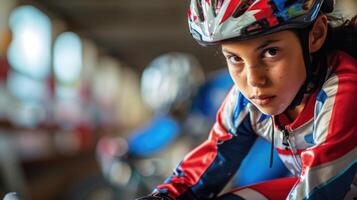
(285, 138)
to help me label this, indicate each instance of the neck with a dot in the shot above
(294, 113)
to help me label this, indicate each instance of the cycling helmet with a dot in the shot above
(170, 80)
(214, 21)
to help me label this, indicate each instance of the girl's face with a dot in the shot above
(268, 70)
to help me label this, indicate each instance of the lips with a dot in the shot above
(262, 99)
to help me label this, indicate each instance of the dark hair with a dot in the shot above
(342, 37)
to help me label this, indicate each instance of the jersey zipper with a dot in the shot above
(288, 145)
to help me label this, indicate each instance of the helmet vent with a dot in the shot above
(217, 6)
(242, 7)
(200, 11)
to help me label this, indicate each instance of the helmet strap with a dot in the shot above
(303, 35)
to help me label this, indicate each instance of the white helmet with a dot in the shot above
(213, 21)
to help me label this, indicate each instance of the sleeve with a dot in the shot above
(329, 167)
(207, 169)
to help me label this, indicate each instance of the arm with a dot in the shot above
(330, 166)
(205, 171)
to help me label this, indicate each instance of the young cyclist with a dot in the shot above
(295, 85)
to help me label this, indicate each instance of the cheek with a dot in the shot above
(238, 78)
(298, 73)
(291, 79)
(292, 69)
(298, 66)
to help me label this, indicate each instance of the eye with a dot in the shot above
(270, 52)
(235, 60)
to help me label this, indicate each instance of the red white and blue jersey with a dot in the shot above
(318, 147)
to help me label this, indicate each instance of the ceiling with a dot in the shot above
(134, 31)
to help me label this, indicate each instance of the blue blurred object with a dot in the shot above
(154, 136)
(212, 93)
(255, 167)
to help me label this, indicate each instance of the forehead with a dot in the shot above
(287, 36)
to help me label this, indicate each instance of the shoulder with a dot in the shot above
(342, 75)
(341, 63)
(335, 108)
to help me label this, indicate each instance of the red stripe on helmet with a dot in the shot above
(189, 14)
(273, 21)
(230, 9)
(264, 9)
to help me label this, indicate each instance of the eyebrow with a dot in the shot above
(266, 43)
(263, 45)
(226, 51)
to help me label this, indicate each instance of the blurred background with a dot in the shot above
(102, 99)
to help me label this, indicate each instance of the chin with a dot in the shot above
(271, 110)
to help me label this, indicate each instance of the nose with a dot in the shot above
(256, 76)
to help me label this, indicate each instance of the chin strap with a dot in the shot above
(303, 35)
(315, 67)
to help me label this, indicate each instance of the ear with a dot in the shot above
(318, 33)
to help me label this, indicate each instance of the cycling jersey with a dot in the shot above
(318, 147)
